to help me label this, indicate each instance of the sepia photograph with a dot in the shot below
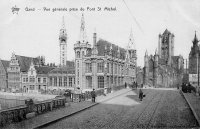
(99, 64)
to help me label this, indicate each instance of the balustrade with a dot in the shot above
(19, 113)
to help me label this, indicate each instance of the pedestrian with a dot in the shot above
(125, 85)
(93, 94)
(136, 85)
(140, 94)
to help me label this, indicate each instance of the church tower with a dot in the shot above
(63, 44)
(166, 46)
(81, 48)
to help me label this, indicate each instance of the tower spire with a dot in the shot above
(83, 36)
(63, 22)
(131, 44)
(195, 41)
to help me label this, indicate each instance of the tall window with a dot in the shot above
(60, 81)
(108, 69)
(115, 68)
(50, 79)
(78, 54)
(100, 82)
(70, 81)
(24, 79)
(44, 80)
(39, 80)
(55, 81)
(89, 81)
(100, 67)
(31, 79)
(88, 67)
(65, 81)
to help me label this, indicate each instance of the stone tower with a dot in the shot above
(194, 54)
(155, 69)
(132, 53)
(81, 48)
(166, 46)
(63, 44)
(146, 68)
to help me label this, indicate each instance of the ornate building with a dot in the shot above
(193, 56)
(18, 70)
(163, 69)
(104, 65)
(63, 44)
(4, 74)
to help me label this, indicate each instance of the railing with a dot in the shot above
(19, 113)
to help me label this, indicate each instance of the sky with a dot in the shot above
(36, 33)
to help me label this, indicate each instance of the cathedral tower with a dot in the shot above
(63, 44)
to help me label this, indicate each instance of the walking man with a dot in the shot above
(93, 94)
(140, 95)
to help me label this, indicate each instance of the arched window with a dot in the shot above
(78, 54)
(83, 53)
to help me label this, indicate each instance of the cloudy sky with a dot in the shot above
(34, 33)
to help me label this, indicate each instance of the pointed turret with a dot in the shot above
(131, 44)
(83, 36)
(146, 53)
(195, 40)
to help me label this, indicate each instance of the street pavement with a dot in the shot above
(161, 108)
(194, 102)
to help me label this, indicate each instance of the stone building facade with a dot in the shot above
(3, 74)
(18, 70)
(163, 69)
(105, 65)
(62, 77)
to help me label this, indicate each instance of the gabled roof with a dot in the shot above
(5, 64)
(43, 69)
(66, 70)
(104, 47)
(25, 62)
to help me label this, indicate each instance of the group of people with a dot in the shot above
(187, 87)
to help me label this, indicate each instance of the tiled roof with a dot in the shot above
(66, 70)
(43, 69)
(25, 62)
(103, 48)
(5, 64)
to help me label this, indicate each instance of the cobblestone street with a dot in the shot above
(161, 108)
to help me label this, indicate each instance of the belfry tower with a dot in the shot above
(63, 44)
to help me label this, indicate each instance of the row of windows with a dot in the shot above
(100, 68)
(61, 82)
(32, 79)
